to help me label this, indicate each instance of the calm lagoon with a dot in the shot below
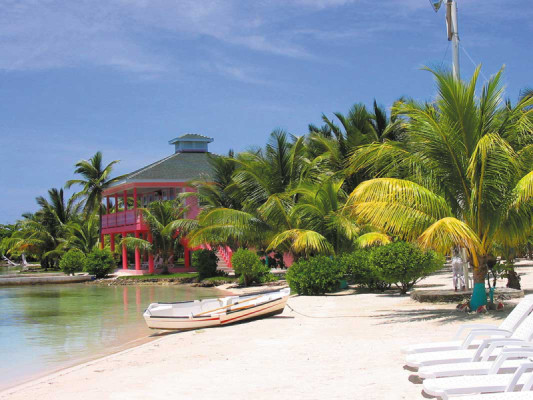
(49, 327)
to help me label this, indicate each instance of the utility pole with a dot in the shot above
(453, 31)
(453, 36)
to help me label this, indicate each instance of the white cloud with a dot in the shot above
(139, 36)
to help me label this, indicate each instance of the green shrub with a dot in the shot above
(403, 264)
(205, 262)
(317, 275)
(249, 268)
(100, 263)
(72, 261)
(358, 268)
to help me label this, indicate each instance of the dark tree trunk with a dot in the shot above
(513, 280)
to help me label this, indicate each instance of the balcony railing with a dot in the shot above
(123, 218)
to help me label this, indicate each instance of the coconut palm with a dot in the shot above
(317, 223)
(463, 176)
(331, 145)
(44, 233)
(83, 235)
(164, 218)
(95, 178)
(314, 224)
(56, 211)
(261, 173)
(212, 191)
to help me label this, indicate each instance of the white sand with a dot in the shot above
(355, 354)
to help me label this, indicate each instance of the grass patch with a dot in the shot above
(180, 275)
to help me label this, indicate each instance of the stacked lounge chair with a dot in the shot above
(488, 350)
(491, 359)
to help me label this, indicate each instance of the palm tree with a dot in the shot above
(44, 233)
(83, 235)
(95, 178)
(316, 223)
(167, 226)
(56, 211)
(265, 172)
(463, 176)
(332, 145)
(305, 221)
(212, 192)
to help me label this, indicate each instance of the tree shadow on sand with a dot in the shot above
(443, 316)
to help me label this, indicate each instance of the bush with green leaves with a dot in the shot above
(318, 275)
(358, 268)
(205, 262)
(403, 264)
(100, 263)
(249, 268)
(72, 261)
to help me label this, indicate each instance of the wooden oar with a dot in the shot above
(229, 305)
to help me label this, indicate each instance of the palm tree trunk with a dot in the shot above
(480, 271)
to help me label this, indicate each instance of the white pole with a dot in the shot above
(452, 7)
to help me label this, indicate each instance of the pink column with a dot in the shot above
(112, 241)
(151, 267)
(124, 253)
(137, 255)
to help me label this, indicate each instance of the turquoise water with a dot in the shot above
(48, 327)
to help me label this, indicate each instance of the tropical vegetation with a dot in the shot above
(366, 186)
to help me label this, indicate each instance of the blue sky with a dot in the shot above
(125, 76)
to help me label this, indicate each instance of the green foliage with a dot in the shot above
(72, 261)
(205, 262)
(249, 268)
(403, 264)
(359, 269)
(462, 175)
(315, 276)
(100, 263)
(6, 231)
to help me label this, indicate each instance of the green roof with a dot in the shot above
(192, 137)
(179, 167)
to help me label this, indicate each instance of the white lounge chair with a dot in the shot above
(487, 350)
(493, 383)
(506, 362)
(509, 325)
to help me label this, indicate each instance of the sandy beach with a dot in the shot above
(340, 346)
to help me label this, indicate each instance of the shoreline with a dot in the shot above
(22, 383)
(80, 363)
(337, 346)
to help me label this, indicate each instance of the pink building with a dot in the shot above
(161, 180)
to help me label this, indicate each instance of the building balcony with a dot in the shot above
(123, 221)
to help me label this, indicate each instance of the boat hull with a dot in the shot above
(244, 314)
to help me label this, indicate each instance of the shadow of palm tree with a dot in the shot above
(445, 316)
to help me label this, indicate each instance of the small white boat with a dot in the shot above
(214, 312)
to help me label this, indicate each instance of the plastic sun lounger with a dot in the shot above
(507, 362)
(509, 325)
(488, 350)
(493, 383)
